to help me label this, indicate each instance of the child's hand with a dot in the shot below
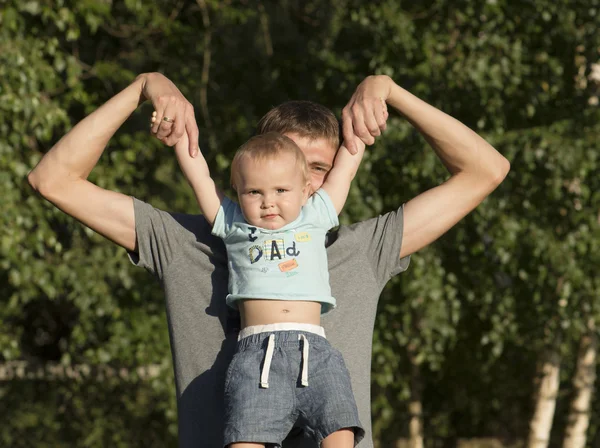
(359, 146)
(366, 113)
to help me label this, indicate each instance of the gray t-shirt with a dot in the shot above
(191, 265)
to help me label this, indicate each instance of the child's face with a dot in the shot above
(271, 192)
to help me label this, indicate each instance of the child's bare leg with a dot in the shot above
(344, 438)
(246, 445)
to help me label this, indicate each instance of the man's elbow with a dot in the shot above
(34, 180)
(41, 184)
(489, 177)
(502, 168)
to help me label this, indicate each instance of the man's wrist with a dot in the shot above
(381, 85)
(389, 84)
(140, 81)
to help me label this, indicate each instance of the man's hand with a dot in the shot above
(174, 114)
(366, 113)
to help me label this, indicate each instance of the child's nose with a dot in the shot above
(267, 201)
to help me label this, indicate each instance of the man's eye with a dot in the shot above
(319, 169)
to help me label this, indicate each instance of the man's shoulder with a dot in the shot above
(383, 229)
(184, 225)
(370, 225)
(375, 242)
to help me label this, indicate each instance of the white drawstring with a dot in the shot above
(264, 376)
(286, 326)
(304, 378)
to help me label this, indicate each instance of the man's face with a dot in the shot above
(319, 155)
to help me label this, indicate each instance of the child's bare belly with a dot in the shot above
(264, 312)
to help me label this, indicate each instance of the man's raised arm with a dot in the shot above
(476, 168)
(61, 175)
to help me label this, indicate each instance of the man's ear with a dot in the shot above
(306, 192)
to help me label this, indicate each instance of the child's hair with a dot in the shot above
(305, 118)
(266, 146)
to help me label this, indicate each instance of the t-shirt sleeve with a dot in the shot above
(229, 212)
(158, 238)
(381, 239)
(321, 211)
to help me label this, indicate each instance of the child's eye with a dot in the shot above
(319, 169)
(281, 190)
(253, 192)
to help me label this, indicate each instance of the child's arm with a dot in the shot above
(341, 175)
(197, 173)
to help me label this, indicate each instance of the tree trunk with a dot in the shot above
(583, 388)
(541, 422)
(415, 406)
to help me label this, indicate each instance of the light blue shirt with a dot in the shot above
(289, 263)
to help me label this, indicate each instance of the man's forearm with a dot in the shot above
(458, 147)
(476, 167)
(74, 156)
(61, 175)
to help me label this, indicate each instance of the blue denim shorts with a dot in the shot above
(281, 378)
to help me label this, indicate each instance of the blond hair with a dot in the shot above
(267, 146)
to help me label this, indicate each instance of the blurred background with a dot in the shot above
(488, 340)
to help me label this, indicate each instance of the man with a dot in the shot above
(191, 264)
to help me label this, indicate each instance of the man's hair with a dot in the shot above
(305, 118)
(267, 146)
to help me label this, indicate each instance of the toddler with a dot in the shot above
(284, 371)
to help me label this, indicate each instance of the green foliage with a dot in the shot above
(474, 310)
(109, 413)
